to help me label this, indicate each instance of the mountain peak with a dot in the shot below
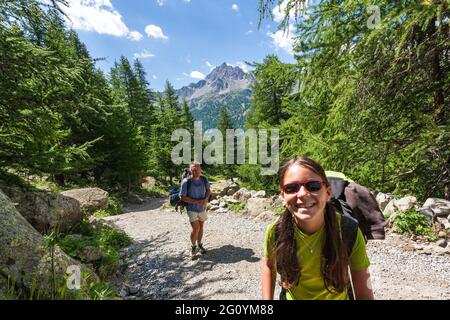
(222, 79)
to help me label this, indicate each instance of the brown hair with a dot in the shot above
(334, 261)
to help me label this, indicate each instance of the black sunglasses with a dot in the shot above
(310, 186)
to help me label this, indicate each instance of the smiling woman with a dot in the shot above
(305, 245)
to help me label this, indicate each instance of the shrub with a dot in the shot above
(236, 207)
(413, 222)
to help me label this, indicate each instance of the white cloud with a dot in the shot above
(235, 7)
(98, 16)
(143, 55)
(95, 15)
(250, 23)
(155, 32)
(187, 1)
(135, 36)
(243, 66)
(154, 77)
(283, 39)
(249, 32)
(160, 2)
(197, 75)
(185, 74)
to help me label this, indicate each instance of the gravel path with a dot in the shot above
(158, 264)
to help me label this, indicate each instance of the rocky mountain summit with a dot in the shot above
(222, 79)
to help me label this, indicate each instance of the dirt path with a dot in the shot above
(158, 264)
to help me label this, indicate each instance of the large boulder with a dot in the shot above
(242, 195)
(440, 207)
(256, 206)
(46, 211)
(25, 258)
(223, 188)
(90, 199)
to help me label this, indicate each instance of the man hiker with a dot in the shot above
(195, 191)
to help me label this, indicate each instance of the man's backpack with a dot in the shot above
(358, 202)
(175, 198)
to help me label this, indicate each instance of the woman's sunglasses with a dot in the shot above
(311, 186)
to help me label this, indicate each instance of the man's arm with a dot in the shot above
(190, 200)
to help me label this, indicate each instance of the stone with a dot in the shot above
(90, 199)
(440, 207)
(242, 195)
(441, 243)
(46, 211)
(266, 216)
(25, 257)
(442, 234)
(255, 206)
(90, 254)
(232, 201)
(443, 222)
(394, 207)
(260, 194)
(383, 199)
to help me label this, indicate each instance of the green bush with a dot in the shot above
(412, 222)
(236, 207)
(115, 207)
(107, 239)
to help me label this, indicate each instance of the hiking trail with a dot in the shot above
(158, 264)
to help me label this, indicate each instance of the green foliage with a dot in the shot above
(154, 192)
(236, 207)
(370, 102)
(101, 236)
(413, 222)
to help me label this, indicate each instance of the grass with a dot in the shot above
(153, 192)
(101, 236)
(115, 207)
(236, 207)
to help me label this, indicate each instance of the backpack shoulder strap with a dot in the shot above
(205, 181)
(349, 225)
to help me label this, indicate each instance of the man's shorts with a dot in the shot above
(194, 216)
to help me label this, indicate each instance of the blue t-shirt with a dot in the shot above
(197, 190)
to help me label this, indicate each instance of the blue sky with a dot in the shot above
(177, 40)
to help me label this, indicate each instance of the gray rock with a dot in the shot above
(242, 195)
(383, 199)
(444, 222)
(24, 256)
(260, 194)
(441, 243)
(440, 207)
(90, 199)
(46, 211)
(90, 254)
(255, 206)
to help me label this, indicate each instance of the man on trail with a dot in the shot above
(195, 191)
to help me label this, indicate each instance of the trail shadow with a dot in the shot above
(229, 254)
(150, 204)
(175, 275)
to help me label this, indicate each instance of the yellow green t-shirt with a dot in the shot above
(311, 284)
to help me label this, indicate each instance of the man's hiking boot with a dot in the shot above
(194, 250)
(201, 249)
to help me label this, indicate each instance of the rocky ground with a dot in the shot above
(158, 264)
